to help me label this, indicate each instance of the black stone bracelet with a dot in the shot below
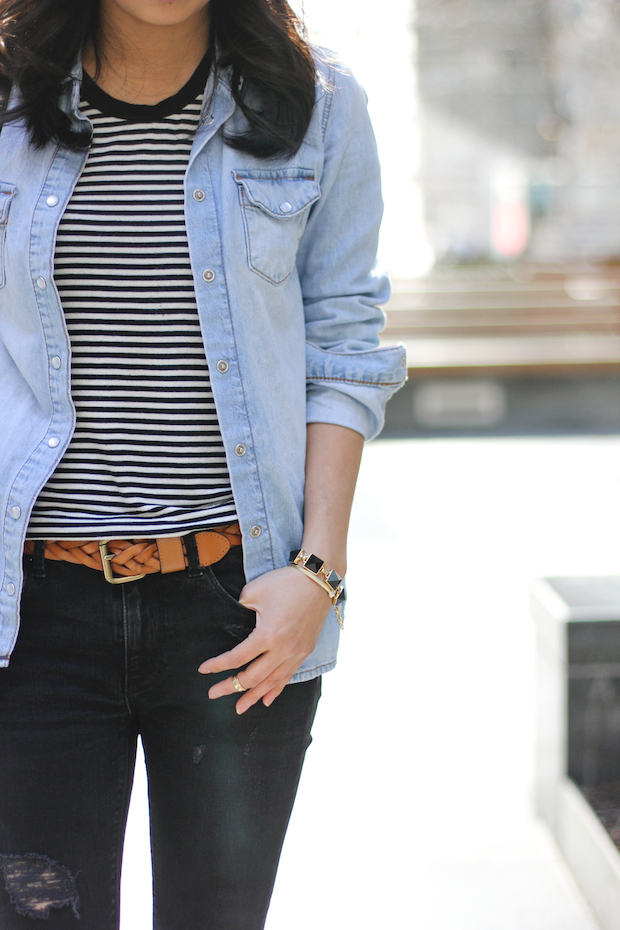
(331, 582)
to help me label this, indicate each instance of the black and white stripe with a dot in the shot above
(147, 457)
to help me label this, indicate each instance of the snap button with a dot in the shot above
(56, 362)
(255, 531)
(16, 512)
(240, 449)
(52, 200)
(286, 207)
(222, 366)
(208, 120)
(10, 589)
(199, 195)
(42, 283)
(208, 275)
(53, 442)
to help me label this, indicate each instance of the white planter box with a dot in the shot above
(578, 725)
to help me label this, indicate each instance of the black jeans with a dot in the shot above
(95, 666)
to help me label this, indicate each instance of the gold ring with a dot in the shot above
(237, 685)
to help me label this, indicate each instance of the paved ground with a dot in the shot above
(415, 805)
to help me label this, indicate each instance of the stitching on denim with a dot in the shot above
(374, 351)
(263, 208)
(239, 371)
(3, 228)
(329, 93)
(125, 772)
(2, 261)
(315, 668)
(246, 224)
(46, 179)
(357, 381)
(253, 175)
(248, 240)
(49, 386)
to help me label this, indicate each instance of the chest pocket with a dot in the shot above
(7, 192)
(275, 205)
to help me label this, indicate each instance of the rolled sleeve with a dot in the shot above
(349, 379)
(352, 389)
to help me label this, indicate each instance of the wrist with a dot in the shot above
(334, 556)
(314, 567)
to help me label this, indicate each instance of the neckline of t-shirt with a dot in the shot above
(144, 112)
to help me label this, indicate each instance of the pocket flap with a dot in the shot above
(279, 193)
(7, 192)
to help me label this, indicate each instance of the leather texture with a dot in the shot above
(143, 556)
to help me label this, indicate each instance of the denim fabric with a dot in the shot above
(283, 256)
(95, 666)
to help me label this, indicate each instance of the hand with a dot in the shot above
(290, 612)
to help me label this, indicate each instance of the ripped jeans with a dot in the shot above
(95, 666)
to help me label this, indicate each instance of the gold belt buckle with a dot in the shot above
(106, 558)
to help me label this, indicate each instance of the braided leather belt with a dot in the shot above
(133, 559)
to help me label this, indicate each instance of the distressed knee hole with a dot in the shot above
(248, 745)
(198, 753)
(36, 884)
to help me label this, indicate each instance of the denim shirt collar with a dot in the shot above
(219, 96)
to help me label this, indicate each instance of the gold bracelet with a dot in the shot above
(331, 582)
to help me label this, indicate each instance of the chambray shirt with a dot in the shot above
(283, 259)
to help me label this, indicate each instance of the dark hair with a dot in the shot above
(261, 41)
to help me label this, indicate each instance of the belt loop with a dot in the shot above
(195, 569)
(38, 559)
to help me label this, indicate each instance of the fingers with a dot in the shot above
(245, 652)
(259, 680)
(270, 697)
(273, 683)
(252, 677)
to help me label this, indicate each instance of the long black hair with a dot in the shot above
(261, 41)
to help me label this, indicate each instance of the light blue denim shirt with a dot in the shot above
(283, 257)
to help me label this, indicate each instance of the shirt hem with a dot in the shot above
(310, 673)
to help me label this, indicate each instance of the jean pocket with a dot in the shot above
(275, 204)
(7, 192)
(227, 580)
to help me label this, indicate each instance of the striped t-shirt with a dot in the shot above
(147, 457)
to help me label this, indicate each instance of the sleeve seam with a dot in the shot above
(357, 354)
(357, 381)
(328, 105)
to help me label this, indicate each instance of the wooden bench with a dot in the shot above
(508, 321)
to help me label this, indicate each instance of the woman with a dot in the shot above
(188, 332)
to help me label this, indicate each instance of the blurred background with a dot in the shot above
(498, 125)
